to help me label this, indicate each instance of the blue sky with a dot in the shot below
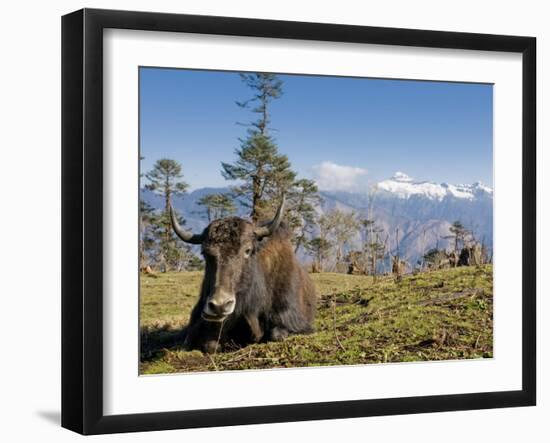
(342, 132)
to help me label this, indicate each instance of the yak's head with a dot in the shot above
(227, 246)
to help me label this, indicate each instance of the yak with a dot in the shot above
(253, 289)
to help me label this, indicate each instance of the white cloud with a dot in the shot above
(332, 177)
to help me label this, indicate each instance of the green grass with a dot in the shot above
(437, 315)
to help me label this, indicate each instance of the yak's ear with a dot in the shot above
(271, 227)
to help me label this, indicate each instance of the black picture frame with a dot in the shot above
(82, 218)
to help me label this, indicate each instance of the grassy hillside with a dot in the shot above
(436, 315)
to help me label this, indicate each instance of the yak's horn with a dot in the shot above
(186, 236)
(271, 227)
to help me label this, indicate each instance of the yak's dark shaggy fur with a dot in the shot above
(274, 296)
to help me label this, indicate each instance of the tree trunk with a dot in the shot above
(254, 214)
(167, 226)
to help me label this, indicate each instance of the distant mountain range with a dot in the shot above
(404, 187)
(421, 212)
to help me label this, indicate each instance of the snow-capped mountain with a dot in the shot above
(403, 186)
(417, 213)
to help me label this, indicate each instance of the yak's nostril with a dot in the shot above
(222, 308)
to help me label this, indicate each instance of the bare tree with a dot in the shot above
(423, 248)
(340, 226)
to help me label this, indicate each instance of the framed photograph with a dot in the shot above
(269, 221)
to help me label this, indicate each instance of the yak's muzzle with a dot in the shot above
(219, 306)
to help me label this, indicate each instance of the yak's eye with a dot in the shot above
(247, 252)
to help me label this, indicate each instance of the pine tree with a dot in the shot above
(265, 173)
(217, 206)
(166, 179)
(266, 88)
(459, 234)
(318, 248)
(303, 198)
